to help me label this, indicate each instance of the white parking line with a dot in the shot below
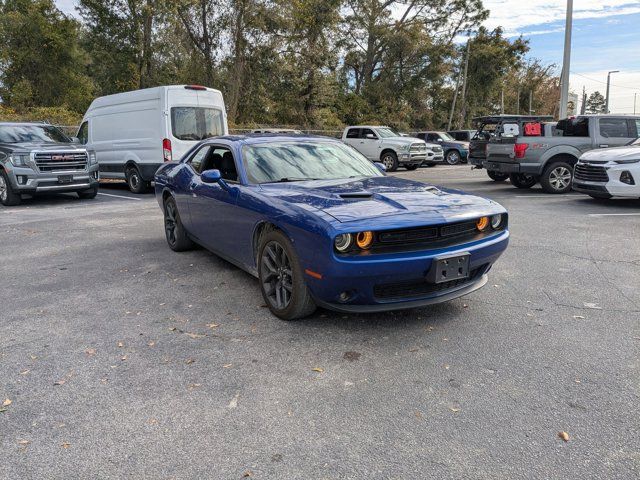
(119, 196)
(549, 196)
(635, 214)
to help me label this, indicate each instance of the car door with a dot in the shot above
(369, 147)
(213, 206)
(614, 132)
(353, 138)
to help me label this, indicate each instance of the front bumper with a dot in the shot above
(363, 277)
(614, 187)
(31, 182)
(412, 158)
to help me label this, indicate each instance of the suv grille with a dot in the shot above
(419, 147)
(590, 173)
(61, 161)
(420, 288)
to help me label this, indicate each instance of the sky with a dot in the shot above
(605, 38)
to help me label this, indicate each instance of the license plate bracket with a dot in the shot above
(62, 179)
(449, 268)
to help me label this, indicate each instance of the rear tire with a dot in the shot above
(88, 194)
(411, 167)
(281, 278)
(8, 197)
(390, 161)
(174, 231)
(522, 180)
(135, 181)
(557, 177)
(497, 176)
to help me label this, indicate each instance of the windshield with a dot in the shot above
(196, 123)
(32, 134)
(386, 132)
(446, 137)
(281, 161)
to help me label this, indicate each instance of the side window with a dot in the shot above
(367, 131)
(421, 136)
(635, 132)
(614, 128)
(83, 133)
(432, 137)
(353, 133)
(198, 159)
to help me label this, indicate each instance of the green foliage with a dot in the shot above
(596, 103)
(42, 64)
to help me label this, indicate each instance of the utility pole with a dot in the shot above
(502, 101)
(566, 62)
(518, 101)
(463, 110)
(583, 108)
(530, 102)
(455, 97)
(606, 105)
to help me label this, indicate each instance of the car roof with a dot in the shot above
(255, 138)
(25, 124)
(499, 118)
(368, 126)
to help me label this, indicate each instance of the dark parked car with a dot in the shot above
(463, 135)
(39, 158)
(454, 151)
(319, 224)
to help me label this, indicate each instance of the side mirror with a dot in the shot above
(75, 140)
(380, 166)
(440, 140)
(211, 176)
(370, 136)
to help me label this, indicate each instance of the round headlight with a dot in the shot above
(343, 242)
(482, 223)
(496, 221)
(364, 239)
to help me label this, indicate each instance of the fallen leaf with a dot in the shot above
(123, 358)
(172, 329)
(248, 473)
(60, 382)
(6, 403)
(90, 351)
(414, 349)
(24, 442)
(418, 415)
(454, 410)
(33, 357)
(564, 436)
(151, 344)
(152, 421)
(189, 361)
(212, 325)
(194, 385)
(66, 445)
(195, 335)
(578, 317)
(318, 369)
(228, 365)
(2, 410)
(25, 372)
(464, 305)
(120, 344)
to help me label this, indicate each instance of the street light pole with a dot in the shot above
(606, 105)
(566, 62)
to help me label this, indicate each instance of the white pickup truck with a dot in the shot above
(381, 144)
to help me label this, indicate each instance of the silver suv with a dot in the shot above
(39, 158)
(381, 144)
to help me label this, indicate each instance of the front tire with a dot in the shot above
(452, 157)
(281, 278)
(135, 181)
(8, 197)
(557, 178)
(88, 194)
(174, 231)
(522, 180)
(497, 176)
(390, 161)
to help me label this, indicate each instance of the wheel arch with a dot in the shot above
(388, 150)
(263, 227)
(560, 154)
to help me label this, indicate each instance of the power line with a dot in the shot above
(604, 83)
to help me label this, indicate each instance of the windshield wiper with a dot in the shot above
(292, 179)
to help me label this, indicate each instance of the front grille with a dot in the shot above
(590, 173)
(420, 288)
(61, 161)
(419, 148)
(406, 236)
(458, 229)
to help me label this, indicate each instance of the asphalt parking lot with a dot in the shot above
(121, 358)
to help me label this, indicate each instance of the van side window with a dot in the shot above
(217, 158)
(196, 123)
(614, 128)
(83, 133)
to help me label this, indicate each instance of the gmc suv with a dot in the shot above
(39, 158)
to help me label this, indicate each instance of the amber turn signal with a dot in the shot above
(364, 240)
(482, 224)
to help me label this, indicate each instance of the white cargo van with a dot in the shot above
(133, 133)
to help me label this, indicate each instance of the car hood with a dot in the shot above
(463, 145)
(378, 198)
(47, 146)
(610, 154)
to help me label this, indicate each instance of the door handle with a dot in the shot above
(604, 145)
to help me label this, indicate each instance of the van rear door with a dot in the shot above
(193, 116)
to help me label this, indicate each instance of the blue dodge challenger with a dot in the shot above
(319, 224)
